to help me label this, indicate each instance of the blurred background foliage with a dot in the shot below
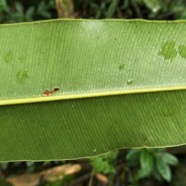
(22, 10)
(137, 167)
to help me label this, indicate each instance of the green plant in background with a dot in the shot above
(104, 163)
(162, 9)
(152, 162)
(3, 166)
(104, 9)
(34, 10)
(148, 9)
(3, 6)
(17, 12)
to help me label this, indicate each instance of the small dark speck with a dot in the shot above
(56, 89)
(121, 67)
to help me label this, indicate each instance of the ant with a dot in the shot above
(50, 92)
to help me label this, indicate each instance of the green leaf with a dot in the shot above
(19, 7)
(111, 9)
(79, 88)
(183, 15)
(30, 13)
(154, 5)
(3, 5)
(133, 155)
(43, 10)
(156, 174)
(142, 173)
(54, 183)
(3, 166)
(104, 163)
(146, 162)
(170, 159)
(4, 183)
(164, 169)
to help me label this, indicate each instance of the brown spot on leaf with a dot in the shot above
(50, 92)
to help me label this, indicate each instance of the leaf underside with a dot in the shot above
(46, 65)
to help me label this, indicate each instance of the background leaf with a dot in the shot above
(147, 162)
(163, 169)
(170, 159)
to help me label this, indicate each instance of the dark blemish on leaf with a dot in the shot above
(168, 50)
(8, 57)
(121, 67)
(56, 89)
(22, 59)
(50, 92)
(182, 51)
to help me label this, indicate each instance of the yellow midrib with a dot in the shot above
(88, 95)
